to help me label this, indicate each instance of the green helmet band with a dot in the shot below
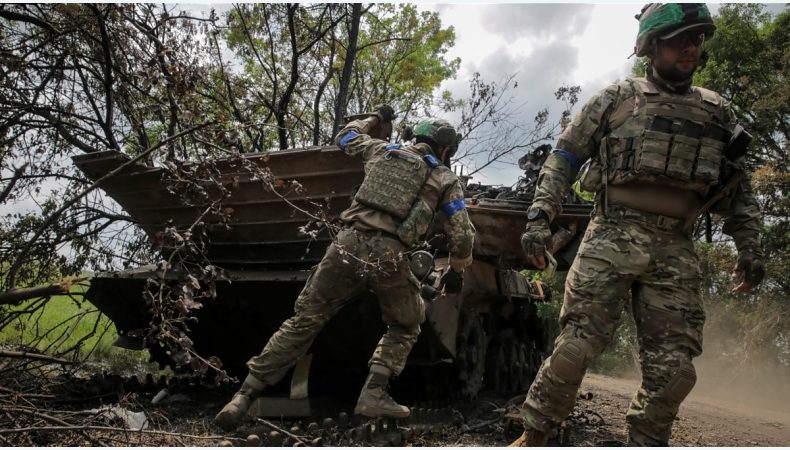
(666, 19)
(437, 130)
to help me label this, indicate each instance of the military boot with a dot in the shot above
(531, 438)
(231, 415)
(374, 401)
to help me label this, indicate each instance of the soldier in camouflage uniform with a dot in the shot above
(657, 148)
(403, 189)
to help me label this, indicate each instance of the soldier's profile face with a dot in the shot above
(676, 59)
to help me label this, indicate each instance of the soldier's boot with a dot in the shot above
(531, 438)
(234, 411)
(374, 401)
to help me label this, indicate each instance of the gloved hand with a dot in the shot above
(748, 272)
(385, 113)
(534, 241)
(452, 281)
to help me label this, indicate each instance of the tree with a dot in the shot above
(364, 57)
(157, 85)
(491, 125)
(85, 79)
(749, 64)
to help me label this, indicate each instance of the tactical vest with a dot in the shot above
(667, 139)
(392, 185)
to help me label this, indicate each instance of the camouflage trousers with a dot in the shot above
(661, 270)
(356, 262)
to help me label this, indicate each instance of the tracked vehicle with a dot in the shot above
(487, 336)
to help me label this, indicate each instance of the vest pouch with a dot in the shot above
(416, 224)
(591, 179)
(652, 155)
(681, 157)
(709, 160)
(392, 184)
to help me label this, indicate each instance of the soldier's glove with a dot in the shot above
(385, 113)
(452, 281)
(535, 238)
(749, 270)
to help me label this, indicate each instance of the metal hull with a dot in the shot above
(268, 260)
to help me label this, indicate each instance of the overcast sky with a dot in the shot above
(546, 45)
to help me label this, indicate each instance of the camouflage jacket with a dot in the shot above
(442, 192)
(591, 131)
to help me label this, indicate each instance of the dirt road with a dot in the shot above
(704, 420)
(707, 418)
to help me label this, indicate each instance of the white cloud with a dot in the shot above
(547, 45)
(543, 20)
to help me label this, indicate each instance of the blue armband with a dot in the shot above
(453, 207)
(431, 160)
(572, 159)
(351, 134)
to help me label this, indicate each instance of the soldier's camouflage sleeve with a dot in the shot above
(354, 140)
(578, 142)
(742, 218)
(458, 227)
(741, 212)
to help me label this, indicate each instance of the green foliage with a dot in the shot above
(402, 58)
(69, 326)
(749, 64)
(622, 354)
(71, 321)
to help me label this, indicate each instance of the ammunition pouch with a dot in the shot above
(719, 201)
(416, 224)
(591, 177)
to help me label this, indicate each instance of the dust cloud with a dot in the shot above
(757, 381)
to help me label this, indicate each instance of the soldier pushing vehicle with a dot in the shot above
(404, 188)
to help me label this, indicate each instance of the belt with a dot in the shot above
(665, 223)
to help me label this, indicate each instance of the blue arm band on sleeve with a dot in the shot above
(431, 160)
(453, 207)
(574, 161)
(351, 134)
(393, 147)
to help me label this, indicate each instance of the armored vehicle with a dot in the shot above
(488, 335)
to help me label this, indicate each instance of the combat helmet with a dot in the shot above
(665, 20)
(438, 131)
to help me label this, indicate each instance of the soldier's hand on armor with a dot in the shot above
(749, 271)
(385, 113)
(452, 281)
(534, 241)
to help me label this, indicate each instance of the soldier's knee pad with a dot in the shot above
(682, 382)
(570, 358)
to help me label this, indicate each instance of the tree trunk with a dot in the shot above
(345, 76)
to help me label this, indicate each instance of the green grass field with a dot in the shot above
(69, 322)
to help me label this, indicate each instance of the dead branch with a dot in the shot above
(13, 392)
(117, 430)
(281, 430)
(17, 296)
(36, 356)
(12, 271)
(18, 172)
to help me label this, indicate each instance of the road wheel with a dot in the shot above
(470, 357)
